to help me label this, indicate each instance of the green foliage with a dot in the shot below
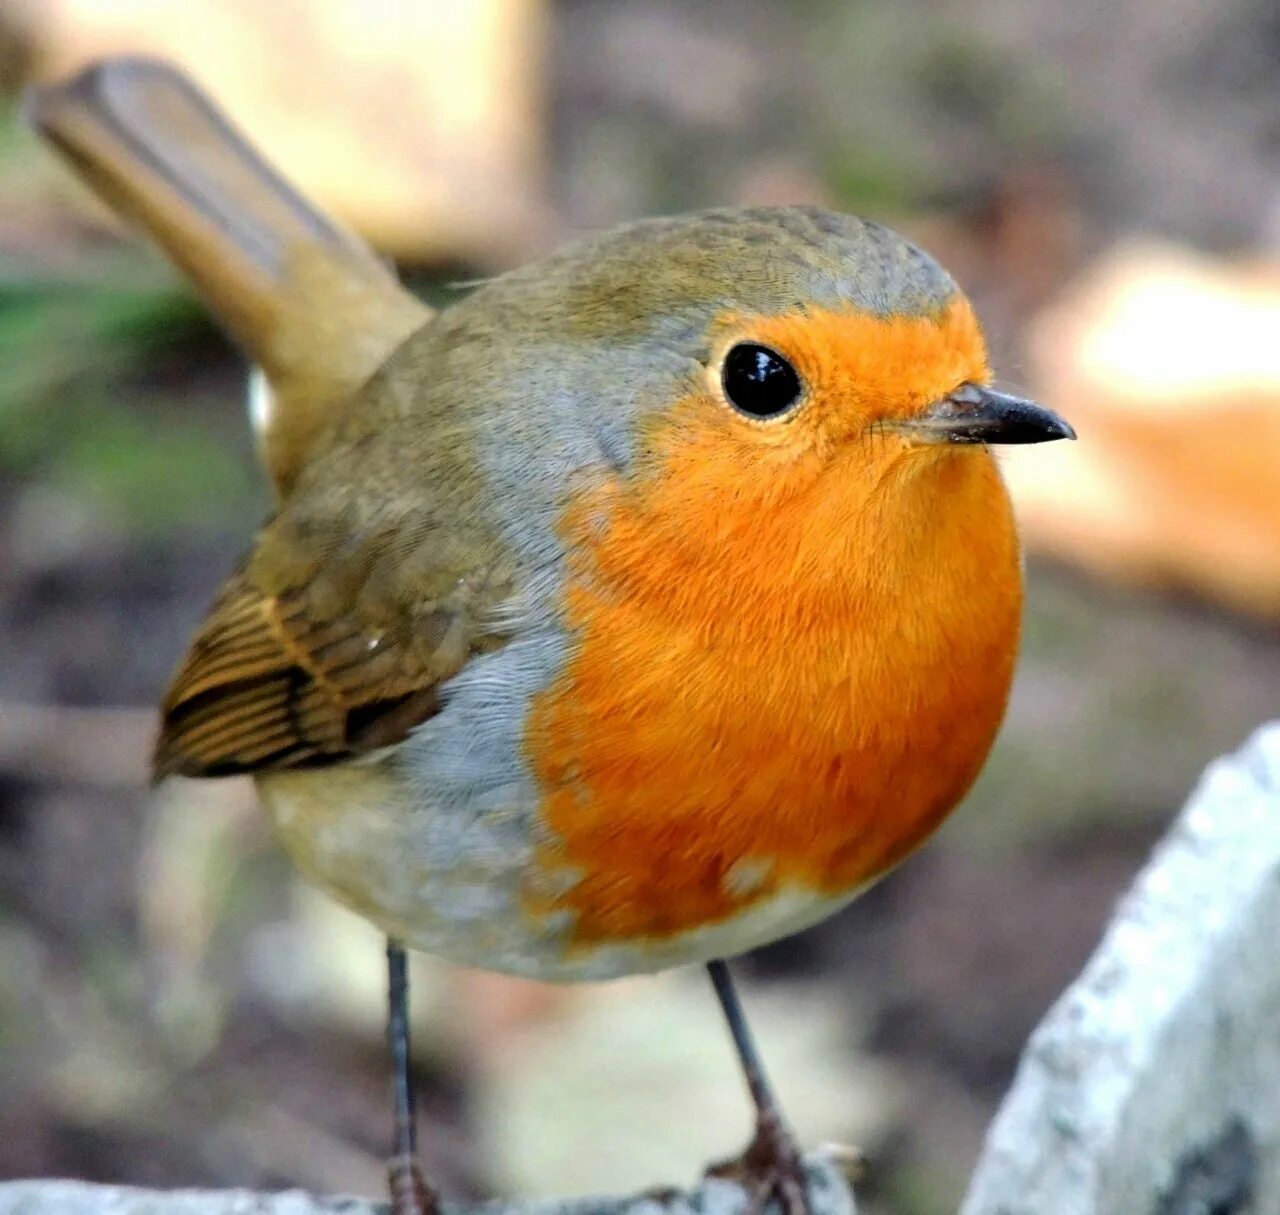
(866, 183)
(85, 410)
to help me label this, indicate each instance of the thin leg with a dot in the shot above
(771, 1165)
(410, 1194)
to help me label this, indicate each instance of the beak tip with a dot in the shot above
(974, 413)
(1005, 419)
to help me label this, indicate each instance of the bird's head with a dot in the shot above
(775, 378)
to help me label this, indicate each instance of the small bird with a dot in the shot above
(644, 606)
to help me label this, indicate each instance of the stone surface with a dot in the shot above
(829, 1194)
(1153, 1086)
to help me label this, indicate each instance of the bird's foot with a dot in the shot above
(410, 1193)
(771, 1169)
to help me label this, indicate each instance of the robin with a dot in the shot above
(643, 607)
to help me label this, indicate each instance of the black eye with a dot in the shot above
(759, 381)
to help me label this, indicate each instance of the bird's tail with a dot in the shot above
(307, 299)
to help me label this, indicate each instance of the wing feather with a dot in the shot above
(262, 688)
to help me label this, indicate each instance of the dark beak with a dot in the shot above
(974, 414)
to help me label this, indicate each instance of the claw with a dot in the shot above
(410, 1193)
(770, 1169)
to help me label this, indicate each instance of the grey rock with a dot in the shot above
(1153, 1085)
(829, 1194)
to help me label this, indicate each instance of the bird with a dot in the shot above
(647, 604)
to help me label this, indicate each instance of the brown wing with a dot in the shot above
(265, 687)
(359, 598)
(269, 683)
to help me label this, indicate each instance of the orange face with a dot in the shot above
(717, 469)
(793, 637)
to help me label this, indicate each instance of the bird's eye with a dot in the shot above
(759, 381)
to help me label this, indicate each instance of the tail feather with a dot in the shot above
(307, 299)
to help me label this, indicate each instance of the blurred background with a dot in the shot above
(175, 1008)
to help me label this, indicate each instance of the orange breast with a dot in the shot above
(790, 699)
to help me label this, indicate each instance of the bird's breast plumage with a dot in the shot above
(726, 733)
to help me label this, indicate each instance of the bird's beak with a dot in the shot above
(974, 414)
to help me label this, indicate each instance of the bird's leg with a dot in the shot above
(771, 1167)
(410, 1193)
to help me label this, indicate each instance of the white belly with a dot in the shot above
(454, 885)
